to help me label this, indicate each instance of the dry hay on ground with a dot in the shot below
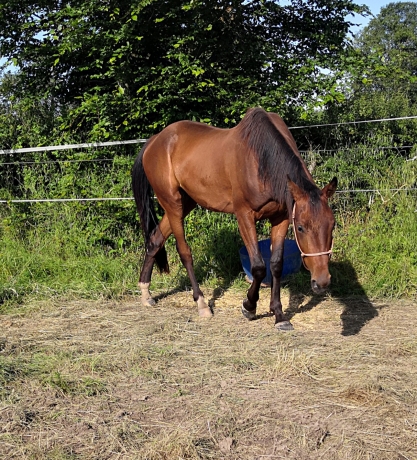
(112, 380)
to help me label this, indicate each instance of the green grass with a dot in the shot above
(382, 247)
(94, 250)
(374, 255)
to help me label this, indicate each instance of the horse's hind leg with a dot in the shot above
(155, 243)
(176, 216)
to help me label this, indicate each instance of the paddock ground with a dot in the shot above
(109, 379)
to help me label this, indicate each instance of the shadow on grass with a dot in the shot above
(358, 309)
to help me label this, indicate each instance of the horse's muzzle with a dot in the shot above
(320, 285)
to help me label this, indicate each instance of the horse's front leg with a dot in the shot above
(247, 230)
(278, 233)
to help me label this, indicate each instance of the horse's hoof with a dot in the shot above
(149, 302)
(284, 326)
(248, 314)
(205, 313)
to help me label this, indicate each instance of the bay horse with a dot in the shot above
(254, 171)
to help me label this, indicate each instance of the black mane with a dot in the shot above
(276, 158)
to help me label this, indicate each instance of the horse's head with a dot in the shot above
(313, 223)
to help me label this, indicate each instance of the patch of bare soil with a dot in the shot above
(112, 380)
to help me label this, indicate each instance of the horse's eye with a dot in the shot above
(300, 229)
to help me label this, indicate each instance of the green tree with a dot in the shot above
(125, 69)
(390, 40)
(383, 84)
(392, 36)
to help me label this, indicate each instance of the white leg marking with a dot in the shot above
(203, 309)
(147, 300)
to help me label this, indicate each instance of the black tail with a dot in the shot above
(143, 193)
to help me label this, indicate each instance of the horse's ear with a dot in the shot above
(330, 188)
(295, 190)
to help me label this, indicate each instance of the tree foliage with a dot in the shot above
(392, 36)
(391, 40)
(383, 81)
(127, 69)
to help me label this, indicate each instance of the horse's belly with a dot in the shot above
(211, 197)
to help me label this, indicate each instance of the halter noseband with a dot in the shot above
(303, 254)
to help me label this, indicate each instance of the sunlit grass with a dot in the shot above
(96, 250)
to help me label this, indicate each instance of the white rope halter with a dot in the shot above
(304, 254)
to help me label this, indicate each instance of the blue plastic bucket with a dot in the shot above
(292, 259)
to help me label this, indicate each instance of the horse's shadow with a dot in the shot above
(358, 309)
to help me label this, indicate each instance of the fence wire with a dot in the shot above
(123, 158)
